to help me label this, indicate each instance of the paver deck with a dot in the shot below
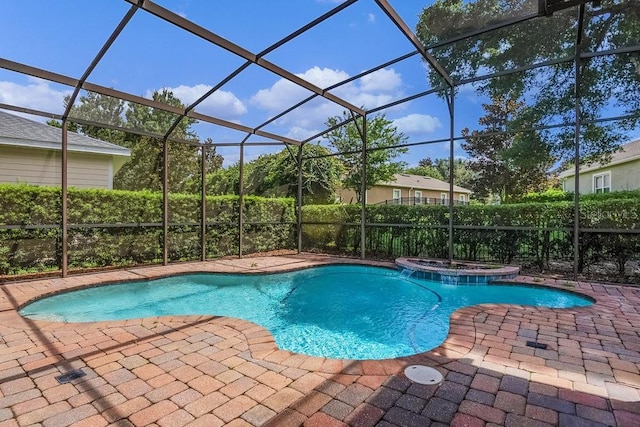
(213, 371)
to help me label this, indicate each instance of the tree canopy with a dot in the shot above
(383, 139)
(277, 175)
(426, 167)
(439, 169)
(609, 84)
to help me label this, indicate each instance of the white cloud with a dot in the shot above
(385, 80)
(283, 94)
(222, 104)
(301, 133)
(371, 91)
(417, 124)
(37, 94)
(371, 18)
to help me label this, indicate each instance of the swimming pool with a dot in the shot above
(343, 311)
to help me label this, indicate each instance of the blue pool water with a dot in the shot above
(346, 311)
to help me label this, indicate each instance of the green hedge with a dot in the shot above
(550, 195)
(128, 230)
(543, 231)
(555, 195)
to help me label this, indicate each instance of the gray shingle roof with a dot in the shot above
(629, 152)
(21, 132)
(418, 182)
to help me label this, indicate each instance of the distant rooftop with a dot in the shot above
(21, 132)
(422, 183)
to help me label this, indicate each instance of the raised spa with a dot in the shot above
(457, 272)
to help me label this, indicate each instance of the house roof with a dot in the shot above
(629, 152)
(20, 132)
(418, 182)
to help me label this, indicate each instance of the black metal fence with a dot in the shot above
(612, 255)
(38, 248)
(414, 201)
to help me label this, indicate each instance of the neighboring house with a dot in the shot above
(30, 152)
(621, 173)
(410, 190)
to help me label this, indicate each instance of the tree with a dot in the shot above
(212, 158)
(382, 141)
(277, 175)
(145, 170)
(425, 167)
(463, 175)
(607, 82)
(439, 169)
(224, 181)
(321, 174)
(505, 164)
(100, 109)
(97, 108)
(213, 164)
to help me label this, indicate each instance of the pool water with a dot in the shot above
(345, 311)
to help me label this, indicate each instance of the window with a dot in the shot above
(418, 197)
(397, 195)
(602, 182)
(444, 198)
(461, 198)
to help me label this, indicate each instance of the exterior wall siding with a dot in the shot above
(42, 167)
(625, 176)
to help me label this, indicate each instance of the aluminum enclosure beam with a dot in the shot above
(576, 178)
(404, 28)
(105, 47)
(64, 214)
(102, 90)
(219, 41)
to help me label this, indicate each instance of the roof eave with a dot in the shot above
(414, 187)
(570, 173)
(12, 142)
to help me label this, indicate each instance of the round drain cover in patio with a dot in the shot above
(423, 374)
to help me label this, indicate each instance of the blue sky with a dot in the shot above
(151, 54)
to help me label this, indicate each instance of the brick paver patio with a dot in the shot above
(213, 371)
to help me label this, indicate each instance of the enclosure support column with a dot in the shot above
(203, 202)
(450, 104)
(363, 189)
(576, 192)
(299, 217)
(165, 201)
(63, 205)
(241, 200)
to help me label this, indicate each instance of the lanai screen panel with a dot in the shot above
(62, 44)
(234, 55)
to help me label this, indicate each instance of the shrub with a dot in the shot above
(549, 195)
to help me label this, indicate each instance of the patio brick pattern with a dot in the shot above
(214, 371)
